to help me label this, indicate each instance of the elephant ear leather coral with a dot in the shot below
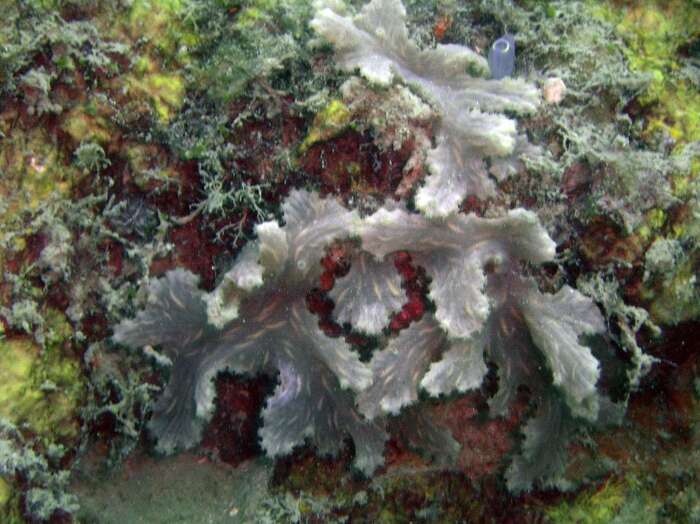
(472, 263)
(453, 78)
(486, 311)
(257, 321)
(270, 330)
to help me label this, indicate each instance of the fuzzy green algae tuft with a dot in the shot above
(671, 282)
(84, 122)
(672, 260)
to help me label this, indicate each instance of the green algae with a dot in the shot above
(84, 123)
(34, 171)
(5, 494)
(670, 284)
(89, 157)
(675, 296)
(9, 504)
(149, 165)
(42, 389)
(656, 38)
(252, 40)
(653, 224)
(161, 23)
(332, 120)
(615, 502)
(164, 90)
(591, 507)
(655, 31)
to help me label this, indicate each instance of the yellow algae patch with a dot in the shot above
(617, 500)
(5, 493)
(86, 123)
(42, 390)
(9, 510)
(159, 21)
(597, 507)
(165, 91)
(654, 31)
(328, 123)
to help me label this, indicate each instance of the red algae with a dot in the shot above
(352, 163)
(195, 251)
(415, 285)
(485, 441)
(231, 435)
(603, 242)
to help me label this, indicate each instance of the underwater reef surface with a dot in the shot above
(293, 261)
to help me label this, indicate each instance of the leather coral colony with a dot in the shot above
(486, 311)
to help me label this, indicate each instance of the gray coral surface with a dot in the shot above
(453, 78)
(486, 309)
(272, 332)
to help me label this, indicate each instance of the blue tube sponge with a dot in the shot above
(502, 57)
